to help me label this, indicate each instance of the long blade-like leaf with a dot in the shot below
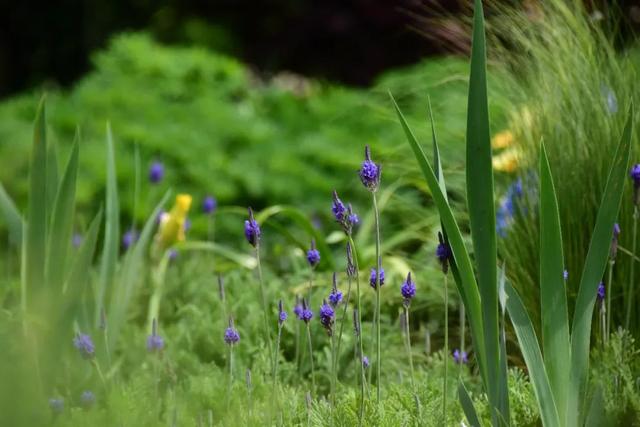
(594, 268)
(532, 357)
(467, 406)
(12, 217)
(35, 246)
(480, 199)
(52, 177)
(596, 417)
(465, 279)
(553, 298)
(111, 230)
(437, 164)
(62, 223)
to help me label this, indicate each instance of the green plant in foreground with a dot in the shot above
(560, 380)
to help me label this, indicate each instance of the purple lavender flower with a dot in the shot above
(252, 230)
(313, 255)
(231, 335)
(326, 317)
(373, 279)
(173, 255)
(352, 217)
(282, 315)
(365, 362)
(305, 314)
(85, 346)
(209, 205)
(76, 240)
(338, 208)
(408, 290)
(335, 296)
(443, 253)
(565, 275)
(634, 173)
(156, 172)
(155, 343)
(57, 405)
(460, 357)
(87, 399)
(129, 238)
(369, 171)
(613, 251)
(601, 292)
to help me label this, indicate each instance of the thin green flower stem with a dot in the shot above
(230, 375)
(310, 289)
(372, 344)
(313, 371)
(297, 356)
(95, 363)
(463, 325)
(105, 337)
(612, 262)
(344, 315)
(603, 324)
(446, 351)
(276, 356)
(334, 374)
(408, 347)
(264, 305)
(361, 352)
(379, 270)
(633, 266)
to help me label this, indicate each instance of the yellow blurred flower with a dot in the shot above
(171, 227)
(507, 161)
(502, 139)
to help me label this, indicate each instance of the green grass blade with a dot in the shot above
(12, 217)
(533, 358)
(52, 177)
(35, 246)
(465, 279)
(467, 406)
(596, 417)
(480, 199)
(62, 223)
(439, 173)
(239, 258)
(553, 298)
(594, 268)
(503, 387)
(111, 230)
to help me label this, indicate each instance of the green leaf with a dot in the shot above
(467, 406)
(594, 268)
(111, 230)
(596, 417)
(532, 357)
(465, 279)
(436, 153)
(62, 223)
(553, 298)
(503, 387)
(240, 258)
(52, 177)
(12, 217)
(36, 231)
(480, 199)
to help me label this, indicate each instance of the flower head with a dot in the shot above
(297, 309)
(57, 405)
(231, 335)
(172, 255)
(326, 317)
(305, 314)
(634, 174)
(460, 356)
(369, 171)
(408, 290)
(129, 238)
(565, 275)
(85, 346)
(365, 362)
(335, 296)
(155, 343)
(313, 255)
(252, 230)
(373, 278)
(443, 253)
(156, 172)
(352, 217)
(173, 225)
(87, 399)
(338, 208)
(613, 251)
(282, 315)
(601, 292)
(209, 205)
(76, 240)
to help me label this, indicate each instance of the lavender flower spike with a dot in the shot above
(351, 267)
(231, 335)
(326, 317)
(601, 292)
(460, 357)
(297, 309)
(614, 241)
(335, 296)
(155, 343)
(313, 255)
(443, 253)
(252, 230)
(408, 290)
(365, 362)
(373, 279)
(209, 205)
(634, 174)
(156, 172)
(338, 208)
(87, 399)
(282, 315)
(305, 315)
(369, 171)
(85, 346)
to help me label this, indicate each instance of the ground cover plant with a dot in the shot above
(288, 324)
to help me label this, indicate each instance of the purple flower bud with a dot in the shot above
(173, 255)
(443, 253)
(85, 346)
(460, 357)
(313, 255)
(76, 240)
(634, 173)
(231, 335)
(338, 208)
(252, 230)
(601, 292)
(565, 275)
(326, 317)
(297, 309)
(373, 279)
(156, 172)
(282, 315)
(57, 405)
(87, 399)
(305, 315)
(335, 296)
(369, 171)
(408, 290)
(155, 343)
(352, 218)
(129, 238)
(613, 251)
(209, 205)
(365, 362)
